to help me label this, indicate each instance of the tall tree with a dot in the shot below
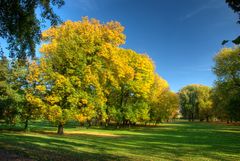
(134, 75)
(205, 103)
(20, 26)
(227, 85)
(195, 102)
(12, 96)
(159, 87)
(189, 102)
(76, 60)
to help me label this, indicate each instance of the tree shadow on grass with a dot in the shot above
(57, 149)
(169, 142)
(193, 140)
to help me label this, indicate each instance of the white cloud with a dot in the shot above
(212, 4)
(86, 5)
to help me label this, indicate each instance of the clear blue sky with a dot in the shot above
(181, 36)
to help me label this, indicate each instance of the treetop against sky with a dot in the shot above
(181, 37)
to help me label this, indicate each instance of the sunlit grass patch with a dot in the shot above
(170, 141)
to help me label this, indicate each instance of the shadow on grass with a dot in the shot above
(49, 148)
(180, 141)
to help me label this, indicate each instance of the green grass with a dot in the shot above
(170, 141)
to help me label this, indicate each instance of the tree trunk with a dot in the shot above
(60, 129)
(155, 124)
(189, 117)
(81, 124)
(118, 125)
(106, 123)
(89, 123)
(129, 124)
(192, 117)
(26, 124)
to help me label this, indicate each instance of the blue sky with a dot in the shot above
(181, 36)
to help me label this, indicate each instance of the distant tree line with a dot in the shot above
(221, 102)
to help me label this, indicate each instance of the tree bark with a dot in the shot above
(60, 129)
(89, 123)
(118, 125)
(26, 124)
(107, 122)
(192, 117)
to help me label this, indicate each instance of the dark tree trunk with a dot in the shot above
(81, 124)
(26, 124)
(189, 117)
(192, 117)
(207, 119)
(89, 123)
(129, 123)
(107, 122)
(60, 129)
(118, 125)
(155, 124)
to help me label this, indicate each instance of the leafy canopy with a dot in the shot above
(20, 26)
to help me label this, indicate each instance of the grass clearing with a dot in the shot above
(169, 141)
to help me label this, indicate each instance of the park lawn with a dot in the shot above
(169, 141)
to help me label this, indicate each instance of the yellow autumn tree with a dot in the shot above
(85, 74)
(77, 56)
(34, 89)
(168, 106)
(159, 87)
(133, 74)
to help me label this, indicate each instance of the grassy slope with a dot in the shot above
(173, 141)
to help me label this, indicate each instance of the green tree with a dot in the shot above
(20, 26)
(227, 86)
(235, 6)
(159, 87)
(205, 103)
(135, 75)
(12, 96)
(189, 102)
(195, 102)
(167, 106)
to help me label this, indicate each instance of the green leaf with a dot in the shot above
(224, 42)
(236, 41)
